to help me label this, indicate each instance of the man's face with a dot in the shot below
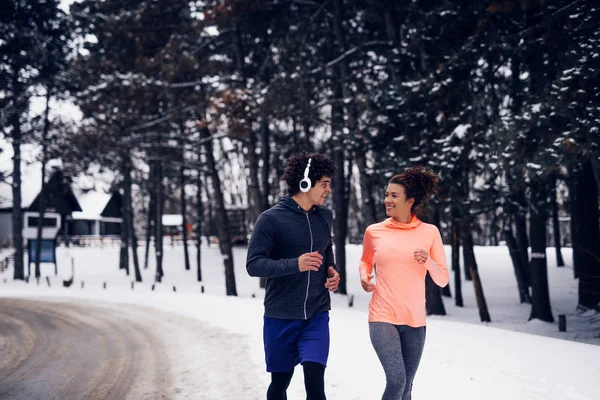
(318, 193)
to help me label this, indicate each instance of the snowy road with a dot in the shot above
(73, 349)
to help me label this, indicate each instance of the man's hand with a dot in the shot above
(310, 261)
(366, 283)
(333, 279)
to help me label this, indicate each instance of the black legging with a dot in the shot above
(314, 382)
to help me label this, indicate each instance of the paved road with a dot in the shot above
(68, 351)
(73, 349)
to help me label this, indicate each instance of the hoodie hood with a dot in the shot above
(287, 202)
(392, 223)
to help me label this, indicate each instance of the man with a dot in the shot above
(291, 246)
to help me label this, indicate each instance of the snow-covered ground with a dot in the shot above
(507, 359)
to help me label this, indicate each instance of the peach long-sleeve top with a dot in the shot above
(399, 295)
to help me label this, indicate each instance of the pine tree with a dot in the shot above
(33, 36)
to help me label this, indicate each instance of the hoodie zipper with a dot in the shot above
(311, 249)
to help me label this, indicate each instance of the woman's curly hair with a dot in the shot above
(419, 183)
(321, 165)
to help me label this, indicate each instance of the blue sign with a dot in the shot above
(47, 254)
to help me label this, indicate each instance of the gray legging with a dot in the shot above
(399, 348)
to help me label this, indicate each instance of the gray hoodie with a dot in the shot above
(281, 235)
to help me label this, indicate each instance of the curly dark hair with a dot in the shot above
(419, 183)
(321, 165)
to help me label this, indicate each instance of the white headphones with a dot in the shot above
(305, 183)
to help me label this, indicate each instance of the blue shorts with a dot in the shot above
(289, 342)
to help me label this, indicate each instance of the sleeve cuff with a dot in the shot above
(430, 264)
(292, 265)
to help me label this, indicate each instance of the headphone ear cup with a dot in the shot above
(305, 185)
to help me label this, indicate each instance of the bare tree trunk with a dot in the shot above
(517, 201)
(124, 251)
(519, 251)
(586, 249)
(211, 219)
(340, 221)
(461, 203)
(254, 196)
(540, 295)
(368, 209)
(434, 303)
(391, 28)
(307, 133)
(266, 187)
(238, 48)
(392, 35)
(159, 205)
(595, 157)
(65, 232)
(150, 216)
(43, 191)
(355, 208)
(458, 298)
(41, 213)
(574, 223)
(123, 259)
(366, 188)
(266, 159)
(184, 221)
(484, 314)
(513, 249)
(221, 215)
(255, 199)
(433, 294)
(522, 240)
(555, 223)
(471, 264)
(437, 221)
(465, 231)
(200, 211)
(134, 246)
(17, 213)
(494, 230)
(130, 223)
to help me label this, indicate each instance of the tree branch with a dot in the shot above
(346, 54)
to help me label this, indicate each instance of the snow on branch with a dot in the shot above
(346, 54)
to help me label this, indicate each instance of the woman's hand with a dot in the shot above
(366, 283)
(421, 256)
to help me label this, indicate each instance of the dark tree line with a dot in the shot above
(500, 98)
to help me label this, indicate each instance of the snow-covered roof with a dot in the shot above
(91, 190)
(172, 219)
(92, 203)
(84, 215)
(31, 174)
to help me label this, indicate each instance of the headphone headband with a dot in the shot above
(305, 183)
(306, 170)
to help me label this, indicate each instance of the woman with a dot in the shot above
(404, 249)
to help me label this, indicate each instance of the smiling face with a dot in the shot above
(318, 193)
(396, 203)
